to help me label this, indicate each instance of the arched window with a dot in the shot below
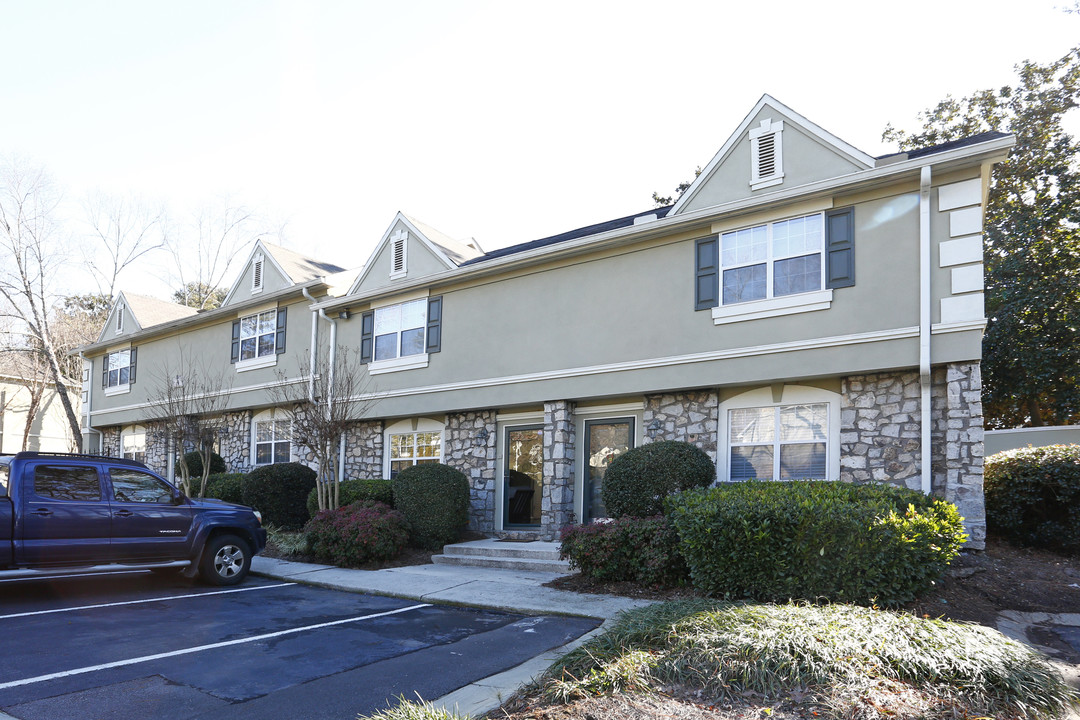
(271, 438)
(133, 443)
(412, 442)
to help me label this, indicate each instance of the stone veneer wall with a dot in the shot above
(157, 449)
(235, 444)
(110, 442)
(476, 458)
(364, 450)
(880, 436)
(690, 417)
(560, 443)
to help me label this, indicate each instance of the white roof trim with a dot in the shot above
(267, 255)
(110, 322)
(850, 151)
(404, 220)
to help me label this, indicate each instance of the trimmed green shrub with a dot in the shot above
(356, 534)
(352, 491)
(641, 550)
(226, 486)
(194, 463)
(280, 493)
(813, 540)
(1033, 496)
(435, 500)
(637, 481)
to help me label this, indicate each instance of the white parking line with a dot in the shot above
(201, 648)
(138, 602)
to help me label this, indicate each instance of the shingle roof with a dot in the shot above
(150, 311)
(300, 268)
(571, 235)
(458, 252)
(951, 145)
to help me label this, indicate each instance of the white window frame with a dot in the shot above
(788, 395)
(768, 128)
(399, 241)
(771, 305)
(118, 388)
(412, 426)
(133, 433)
(274, 416)
(401, 362)
(258, 361)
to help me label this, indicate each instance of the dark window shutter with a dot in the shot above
(840, 248)
(105, 370)
(131, 370)
(235, 341)
(279, 339)
(367, 336)
(707, 273)
(434, 325)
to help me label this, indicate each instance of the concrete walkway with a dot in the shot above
(517, 591)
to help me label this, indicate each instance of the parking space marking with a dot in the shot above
(201, 648)
(139, 602)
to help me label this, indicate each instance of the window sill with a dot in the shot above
(767, 182)
(256, 363)
(410, 362)
(787, 305)
(117, 390)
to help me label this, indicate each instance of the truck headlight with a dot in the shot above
(258, 516)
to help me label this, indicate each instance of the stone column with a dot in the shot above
(560, 446)
(689, 417)
(364, 450)
(110, 441)
(470, 440)
(957, 438)
(235, 445)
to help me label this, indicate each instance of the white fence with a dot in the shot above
(999, 440)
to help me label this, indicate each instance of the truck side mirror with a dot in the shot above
(177, 497)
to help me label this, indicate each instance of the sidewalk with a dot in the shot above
(517, 591)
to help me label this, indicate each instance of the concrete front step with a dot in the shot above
(503, 563)
(536, 555)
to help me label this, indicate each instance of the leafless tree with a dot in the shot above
(30, 255)
(187, 407)
(124, 229)
(322, 407)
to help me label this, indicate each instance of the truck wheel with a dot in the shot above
(226, 560)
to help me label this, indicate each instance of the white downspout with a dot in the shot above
(331, 362)
(924, 328)
(314, 346)
(89, 395)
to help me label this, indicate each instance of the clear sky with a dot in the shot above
(504, 121)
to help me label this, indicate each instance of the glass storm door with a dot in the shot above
(604, 441)
(523, 476)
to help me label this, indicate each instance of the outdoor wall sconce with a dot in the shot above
(482, 436)
(654, 428)
(344, 315)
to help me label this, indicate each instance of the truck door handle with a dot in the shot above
(43, 512)
(123, 513)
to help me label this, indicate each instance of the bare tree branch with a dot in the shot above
(125, 230)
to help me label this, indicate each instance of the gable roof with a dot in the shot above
(146, 311)
(844, 149)
(296, 268)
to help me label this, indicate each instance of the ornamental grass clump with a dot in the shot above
(839, 656)
(815, 540)
(357, 534)
(1033, 496)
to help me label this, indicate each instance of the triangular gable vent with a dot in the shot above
(398, 266)
(257, 274)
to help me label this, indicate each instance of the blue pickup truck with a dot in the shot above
(62, 514)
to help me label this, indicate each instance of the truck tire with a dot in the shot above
(226, 560)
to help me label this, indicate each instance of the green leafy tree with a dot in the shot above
(1031, 350)
(679, 190)
(199, 295)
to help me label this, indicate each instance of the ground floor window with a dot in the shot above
(792, 434)
(272, 438)
(414, 448)
(133, 443)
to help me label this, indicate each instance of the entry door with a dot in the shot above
(66, 518)
(523, 474)
(604, 441)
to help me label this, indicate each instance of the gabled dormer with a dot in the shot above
(408, 250)
(133, 313)
(270, 268)
(774, 149)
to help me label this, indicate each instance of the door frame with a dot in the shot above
(634, 410)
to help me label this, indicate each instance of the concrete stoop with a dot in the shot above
(536, 555)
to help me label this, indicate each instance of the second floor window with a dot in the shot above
(399, 330)
(257, 334)
(780, 258)
(118, 367)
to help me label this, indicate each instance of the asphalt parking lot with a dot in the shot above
(140, 645)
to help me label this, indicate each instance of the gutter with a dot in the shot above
(924, 329)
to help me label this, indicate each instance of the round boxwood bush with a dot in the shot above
(637, 481)
(353, 491)
(435, 500)
(280, 493)
(814, 540)
(226, 486)
(356, 534)
(1033, 496)
(194, 464)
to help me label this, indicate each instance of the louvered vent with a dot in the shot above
(399, 255)
(766, 155)
(120, 319)
(257, 275)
